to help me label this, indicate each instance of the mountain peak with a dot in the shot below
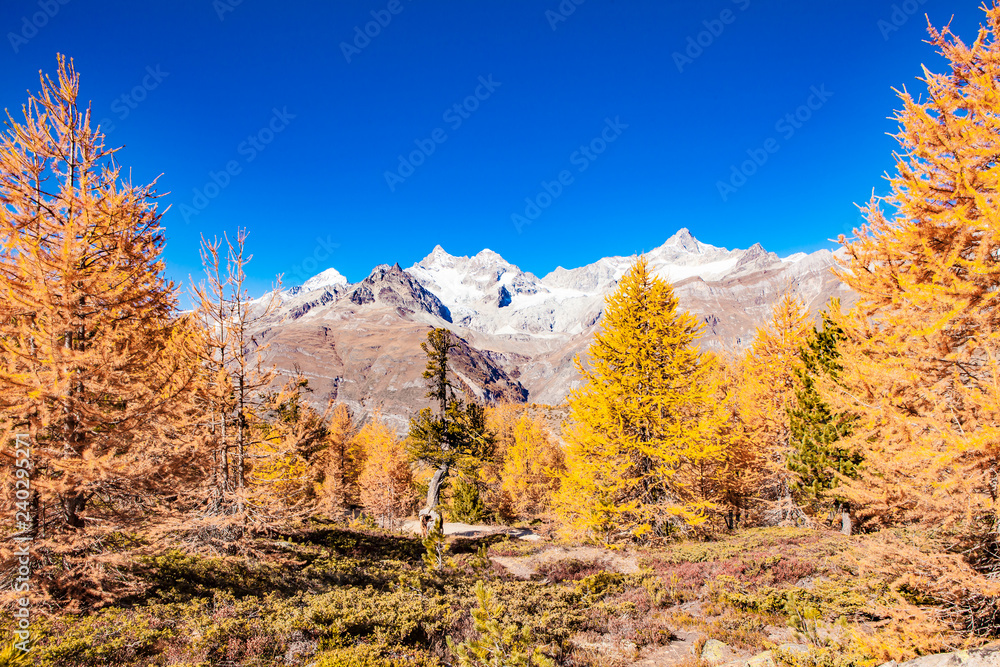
(685, 240)
(437, 257)
(327, 278)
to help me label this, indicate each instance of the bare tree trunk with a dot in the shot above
(241, 437)
(434, 488)
(845, 520)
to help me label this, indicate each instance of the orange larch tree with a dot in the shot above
(340, 463)
(386, 481)
(921, 352)
(96, 367)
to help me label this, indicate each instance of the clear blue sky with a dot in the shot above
(186, 84)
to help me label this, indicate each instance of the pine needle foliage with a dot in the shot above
(818, 459)
(644, 424)
(457, 435)
(435, 546)
(497, 644)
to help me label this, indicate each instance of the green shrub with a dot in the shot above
(496, 642)
(466, 505)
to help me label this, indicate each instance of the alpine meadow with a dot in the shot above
(682, 456)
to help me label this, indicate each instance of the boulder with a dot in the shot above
(987, 656)
(716, 652)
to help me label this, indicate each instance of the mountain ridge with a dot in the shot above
(518, 333)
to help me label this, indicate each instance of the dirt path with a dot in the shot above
(469, 530)
(677, 652)
(525, 566)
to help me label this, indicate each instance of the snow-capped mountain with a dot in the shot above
(328, 278)
(488, 294)
(360, 342)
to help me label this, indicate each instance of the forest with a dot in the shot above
(827, 495)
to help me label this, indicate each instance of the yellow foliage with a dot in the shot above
(643, 443)
(762, 388)
(386, 481)
(341, 463)
(290, 437)
(524, 472)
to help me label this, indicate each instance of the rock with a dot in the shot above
(765, 659)
(716, 652)
(987, 656)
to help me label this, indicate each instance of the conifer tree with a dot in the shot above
(818, 458)
(237, 379)
(95, 365)
(288, 438)
(532, 464)
(457, 436)
(643, 419)
(341, 463)
(763, 390)
(497, 643)
(523, 475)
(921, 346)
(386, 481)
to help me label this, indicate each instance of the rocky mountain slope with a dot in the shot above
(519, 333)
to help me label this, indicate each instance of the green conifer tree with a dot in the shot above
(457, 436)
(816, 458)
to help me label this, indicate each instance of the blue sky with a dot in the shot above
(552, 132)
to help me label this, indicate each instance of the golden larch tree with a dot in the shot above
(642, 419)
(531, 467)
(91, 353)
(341, 463)
(521, 477)
(289, 439)
(763, 388)
(237, 378)
(96, 366)
(386, 480)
